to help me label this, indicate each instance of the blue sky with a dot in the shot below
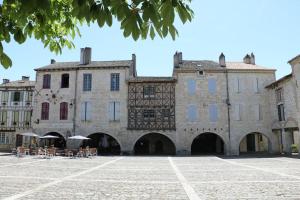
(268, 28)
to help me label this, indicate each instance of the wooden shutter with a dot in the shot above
(212, 86)
(191, 87)
(117, 110)
(88, 111)
(83, 111)
(213, 112)
(111, 111)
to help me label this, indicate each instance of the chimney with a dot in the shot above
(134, 65)
(53, 61)
(85, 55)
(252, 59)
(25, 78)
(247, 59)
(222, 60)
(5, 81)
(177, 59)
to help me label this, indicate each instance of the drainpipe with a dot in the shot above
(74, 103)
(228, 112)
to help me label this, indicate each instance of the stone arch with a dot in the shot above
(154, 144)
(255, 142)
(59, 142)
(105, 143)
(208, 143)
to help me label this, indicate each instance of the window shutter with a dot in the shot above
(256, 112)
(213, 113)
(237, 112)
(111, 111)
(192, 113)
(191, 87)
(212, 86)
(83, 111)
(21, 96)
(256, 85)
(117, 110)
(237, 85)
(88, 111)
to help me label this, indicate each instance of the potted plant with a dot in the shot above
(294, 149)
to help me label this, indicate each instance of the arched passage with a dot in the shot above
(254, 143)
(154, 144)
(207, 143)
(59, 142)
(105, 144)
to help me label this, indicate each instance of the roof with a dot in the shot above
(280, 80)
(152, 79)
(76, 65)
(19, 83)
(244, 66)
(212, 65)
(296, 57)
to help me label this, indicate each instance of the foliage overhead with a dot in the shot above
(55, 22)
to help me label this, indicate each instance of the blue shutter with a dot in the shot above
(212, 86)
(213, 112)
(111, 109)
(192, 113)
(83, 111)
(191, 87)
(88, 111)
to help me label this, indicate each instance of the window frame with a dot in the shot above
(115, 82)
(46, 81)
(45, 107)
(63, 111)
(65, 80)
(87, 82)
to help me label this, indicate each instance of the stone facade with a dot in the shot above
(16, 105)
(220, 107)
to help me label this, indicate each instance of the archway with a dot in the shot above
(105, 144)
(154, 144)
(207, 143)
(254, 143)
(59, 142)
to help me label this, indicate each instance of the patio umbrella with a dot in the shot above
(78, 137)
(49, 137)
(29, 134)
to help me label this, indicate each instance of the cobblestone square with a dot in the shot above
(115, 177)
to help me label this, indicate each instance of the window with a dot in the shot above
(87, 82)
(3, 118)
(165, 113)
(46, 81)
(212, 86)
(45, 111)
(149, 114)
(4, 97)
(237, 85)
(213, 113)
(86, 109)
(29, 97)
(280, 110)
(237, 112)
(149, 91)
(192, 113)
(65, 81)
(17, 96)
(16, 118)
(4, 138)
(191, 87)
(115, 82)
(258, 112)
(63, 111)
(279, 95)
(27, 117)
(114, 111)
(256, 85)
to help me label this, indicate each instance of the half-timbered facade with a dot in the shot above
(151, 103)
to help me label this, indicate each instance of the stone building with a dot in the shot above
(16, 104)
(204, 107)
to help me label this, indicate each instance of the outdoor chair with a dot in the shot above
(69, 153)
(93, 151)
(20, 151)
(41, 152)
(51, 152)
(80, 153)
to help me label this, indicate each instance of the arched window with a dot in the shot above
(63, 111)
(45, 111)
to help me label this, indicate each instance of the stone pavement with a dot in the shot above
(130, 178)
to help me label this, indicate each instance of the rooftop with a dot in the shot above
(19, 83)
(95, 64)
(280, 80)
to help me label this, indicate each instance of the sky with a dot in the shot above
(270, 29)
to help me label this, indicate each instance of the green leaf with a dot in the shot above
(5, 61)
(152, 33)
(19, 36)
